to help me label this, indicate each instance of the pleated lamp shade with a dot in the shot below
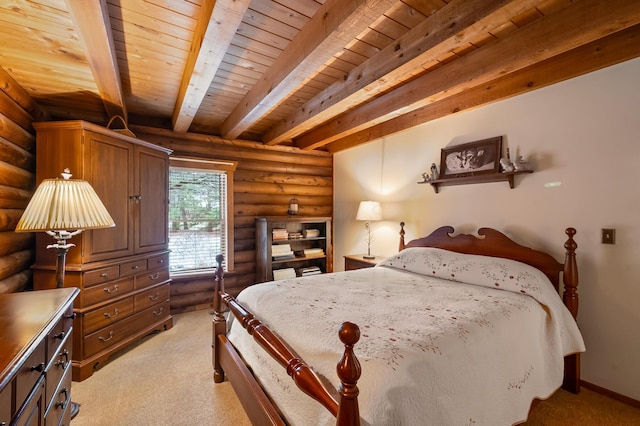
(64, 204)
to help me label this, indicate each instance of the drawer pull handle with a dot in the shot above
(135, 267)
(104, 275)
(151, 297)
(113, 315)
(158, 312)
(154, 276)
(106, 339)
(161, 261)
(71, 316)
(63, 404)
(115, 288)
(61, 363)
(39, 367)
(60, 335)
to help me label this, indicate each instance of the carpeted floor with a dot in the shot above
(166, 379)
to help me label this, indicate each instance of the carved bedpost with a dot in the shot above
(349, 373)
(571, 380)
(401, 246)
(570, 274)
(219, 322)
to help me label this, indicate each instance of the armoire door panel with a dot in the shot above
(110, 162)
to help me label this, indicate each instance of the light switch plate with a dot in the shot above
(608, 236)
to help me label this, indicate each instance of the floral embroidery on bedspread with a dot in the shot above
(418, 314)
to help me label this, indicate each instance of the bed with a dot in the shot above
(453, 329)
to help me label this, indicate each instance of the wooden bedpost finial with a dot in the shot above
(401, 247)
(349, 372)
(218, 288)
(570, 274)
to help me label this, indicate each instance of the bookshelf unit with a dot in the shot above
(267, 242)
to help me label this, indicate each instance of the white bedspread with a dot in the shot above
(434, 351)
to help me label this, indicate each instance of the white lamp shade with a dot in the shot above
(64, 204)
(369, 210)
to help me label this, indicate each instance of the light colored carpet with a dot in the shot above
(165, 379)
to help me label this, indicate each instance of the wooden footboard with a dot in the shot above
(258, 406)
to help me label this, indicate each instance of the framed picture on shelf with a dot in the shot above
(471, 159)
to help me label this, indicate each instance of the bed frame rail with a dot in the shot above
(346, 410)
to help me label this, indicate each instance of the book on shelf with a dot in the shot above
(284, 256)
(279, 234)
(313, 252)
(310, 270)
(280, 274)
(280, 248)
(311, 233)
(295, 235)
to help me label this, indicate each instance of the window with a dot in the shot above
(200, 214)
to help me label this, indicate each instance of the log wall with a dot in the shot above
(265, 180)
(17, 181)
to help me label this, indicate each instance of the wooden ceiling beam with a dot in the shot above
(216, 27)
(454, 25)
(91, 20)
(602, 53)
(332, 27)
(580, 23)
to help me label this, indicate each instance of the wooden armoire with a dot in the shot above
(122, 272)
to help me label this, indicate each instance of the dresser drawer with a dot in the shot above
(151, 297)
(107, 337)
(30, 372)
(132, 268)
(107, 291)
(60, 364)
(100, 276)
(59, 407)
(159, 261)
(155, 276)
(107, 315)
(59, 333)
(6, 395)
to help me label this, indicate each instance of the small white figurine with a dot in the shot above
(507, 165)
(434, 171)
(521, 164)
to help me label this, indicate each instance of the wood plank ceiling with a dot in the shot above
(316, 74)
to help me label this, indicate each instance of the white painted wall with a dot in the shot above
(583, 134)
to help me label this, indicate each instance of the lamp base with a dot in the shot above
(368, 256)
(75, 409)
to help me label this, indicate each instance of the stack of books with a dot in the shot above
(281, 274)
(311, 270)
(279, 234)
(311, 252)
(282, 252)
(311, 233)
(295, 235)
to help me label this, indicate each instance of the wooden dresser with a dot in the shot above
(122, 272)
(36, 331)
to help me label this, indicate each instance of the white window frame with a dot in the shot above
(228, 167)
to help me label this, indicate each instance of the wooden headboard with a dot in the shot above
(491, 242)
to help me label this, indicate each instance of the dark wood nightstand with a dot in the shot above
(357, 261)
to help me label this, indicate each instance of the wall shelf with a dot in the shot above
(484, 178)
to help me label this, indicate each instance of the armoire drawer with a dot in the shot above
(132, 268)
(101, 276)
(151, 297)
(107, 315)
(109, 336)
(151, 277)
(107, 291)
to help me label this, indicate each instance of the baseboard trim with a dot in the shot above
(611, 394)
